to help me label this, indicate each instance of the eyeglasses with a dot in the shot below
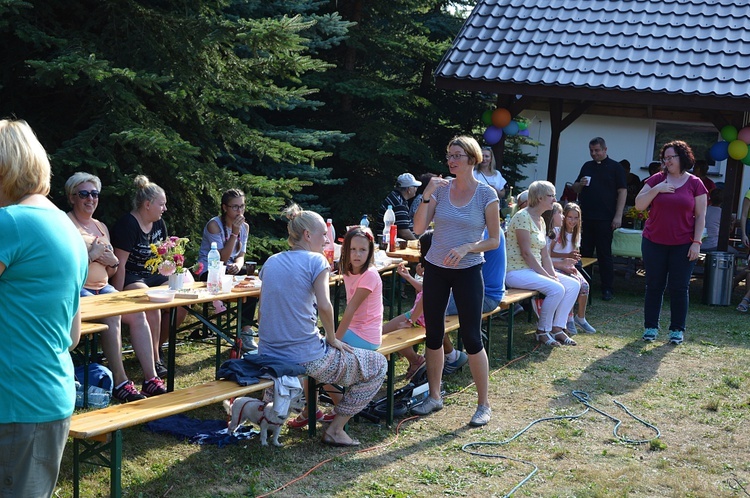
(455, 157)
(236, 207)
(86, 193)
(667, 158)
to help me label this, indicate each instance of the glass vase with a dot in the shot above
(176, 281)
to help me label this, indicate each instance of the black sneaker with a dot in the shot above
(127, 392)
(154, 387)
(161, 369)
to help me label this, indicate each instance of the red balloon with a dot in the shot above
(500, 117)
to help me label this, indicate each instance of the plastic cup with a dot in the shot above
(588, 180)
(250, 267)
(227, 281)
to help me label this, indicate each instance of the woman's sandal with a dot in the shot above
(413, 368)
(744, 305)
(563, 339)
(546, 339)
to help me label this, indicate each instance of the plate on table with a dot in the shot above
(160, 295)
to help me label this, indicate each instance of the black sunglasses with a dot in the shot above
(85, 193)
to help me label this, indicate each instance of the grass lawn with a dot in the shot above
(697, 394)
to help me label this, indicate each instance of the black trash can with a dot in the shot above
(718, 271)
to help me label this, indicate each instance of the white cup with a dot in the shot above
(227, 281)
(588, 180)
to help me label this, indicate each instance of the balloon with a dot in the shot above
(522, 125)
(511, 129)
(524, 133)
(744, 135)
(746, 159)
(729, 133)
(492, 135)
(487, 117)
(737, 149)
(719, 151)
(500, 117)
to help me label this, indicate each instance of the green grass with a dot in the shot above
(697, 394)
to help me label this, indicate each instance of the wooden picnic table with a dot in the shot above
(135, 301)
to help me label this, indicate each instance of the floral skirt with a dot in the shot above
(361, 373)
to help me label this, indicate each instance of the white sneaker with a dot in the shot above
(581, 322)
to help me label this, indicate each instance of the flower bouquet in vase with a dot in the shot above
(168, 258)
(639, 217)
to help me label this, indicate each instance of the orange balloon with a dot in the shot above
(501, 117)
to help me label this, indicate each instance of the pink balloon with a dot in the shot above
(744, 135)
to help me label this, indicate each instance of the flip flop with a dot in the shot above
(329, 441)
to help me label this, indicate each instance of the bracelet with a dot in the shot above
(233, 234)
(114, 265)
(696, 242)
(426, 201)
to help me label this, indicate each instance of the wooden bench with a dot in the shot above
(97, 435)
(510, 299)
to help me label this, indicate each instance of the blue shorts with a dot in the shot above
(107, 289)
(356, 341)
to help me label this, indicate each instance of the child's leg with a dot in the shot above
(583, 294)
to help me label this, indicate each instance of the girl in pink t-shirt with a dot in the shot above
(362, 323)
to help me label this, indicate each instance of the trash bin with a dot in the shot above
(718, 270)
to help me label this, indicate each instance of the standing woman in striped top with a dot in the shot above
(461, 208)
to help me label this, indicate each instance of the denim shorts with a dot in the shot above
(107, 289)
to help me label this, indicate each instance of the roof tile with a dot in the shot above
(690, 47)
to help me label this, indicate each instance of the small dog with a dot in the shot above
(253, 410)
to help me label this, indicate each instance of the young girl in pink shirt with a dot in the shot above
(362, 323)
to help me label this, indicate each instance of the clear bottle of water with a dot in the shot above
(97, 397)
(389, 218)
(364, 222)
(214, 270)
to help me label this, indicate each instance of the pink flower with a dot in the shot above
(179, 259)
(199, 268)
(162, 250)
(167, 268)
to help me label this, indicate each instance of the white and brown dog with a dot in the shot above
(247, 409)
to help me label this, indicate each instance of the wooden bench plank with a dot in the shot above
(121, 416)
(89, 328)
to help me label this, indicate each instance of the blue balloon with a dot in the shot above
(719, 151)
(492, 135)
(524, 133)
(511, 129)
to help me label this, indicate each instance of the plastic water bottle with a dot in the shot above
(97, 397)
(214, 270)
(364, 222)
(389, 219)
(329, 249)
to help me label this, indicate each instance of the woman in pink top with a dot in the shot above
(672, 237)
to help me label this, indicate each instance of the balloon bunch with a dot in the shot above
(734, 145)
(499, 122)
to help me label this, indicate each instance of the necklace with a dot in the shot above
(82, 224)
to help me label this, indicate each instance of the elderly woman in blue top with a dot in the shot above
(461, 208)
(43, 264)
(294, 294)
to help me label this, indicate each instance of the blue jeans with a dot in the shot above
(666, 263)
(107, 289)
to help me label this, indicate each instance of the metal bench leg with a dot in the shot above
(106, 453)
(389, 389)
(509, 353)
(488, 345)
(312, 405)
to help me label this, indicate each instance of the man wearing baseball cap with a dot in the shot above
(406, 188)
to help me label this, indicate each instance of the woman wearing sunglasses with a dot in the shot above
(82, 191)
